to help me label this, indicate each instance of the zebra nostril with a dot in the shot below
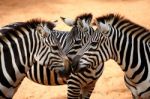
(63, 73)
(67, 64)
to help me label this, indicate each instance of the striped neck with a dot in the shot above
(125, 37)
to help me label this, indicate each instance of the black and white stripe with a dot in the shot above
(71, 43)
(21, 46)
(42, 74)
(128, 44)
(81, 84)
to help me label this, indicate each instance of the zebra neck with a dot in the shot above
(126, 43)
(27, 45)
(121, 45)
(34, 47)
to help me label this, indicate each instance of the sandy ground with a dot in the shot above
(111, 84)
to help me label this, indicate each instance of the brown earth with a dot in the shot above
(111, 84)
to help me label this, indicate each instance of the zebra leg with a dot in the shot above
(4, 98)
(131, 87)
(9, 93)
(145, 94)
(87, 91)
(73, 92)
(73, 87)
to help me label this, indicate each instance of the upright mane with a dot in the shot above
(110, 17)
(114, 18)
(85, 16)
(33, 23)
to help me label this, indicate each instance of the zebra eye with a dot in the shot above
(55, 47)
(78, 41)
(40, 31)
(94, 43)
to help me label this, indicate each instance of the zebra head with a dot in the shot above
(50, 53)
(79, 34)
(96, 51)
(81, 23)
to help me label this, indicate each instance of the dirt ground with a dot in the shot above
(111, 84)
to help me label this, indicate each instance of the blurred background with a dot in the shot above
(111, 84)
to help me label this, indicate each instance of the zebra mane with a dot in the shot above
(86, 16)
(110, 17)
(114, 18)
(33, 23)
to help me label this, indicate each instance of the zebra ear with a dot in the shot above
(82, 23)
(41, 31)
(68, 21)
(102, 27)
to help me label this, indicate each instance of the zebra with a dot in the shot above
(79, 33)
(45, 76)
(81, 84)
(22, 45)
(128, 44)
(71, 43)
